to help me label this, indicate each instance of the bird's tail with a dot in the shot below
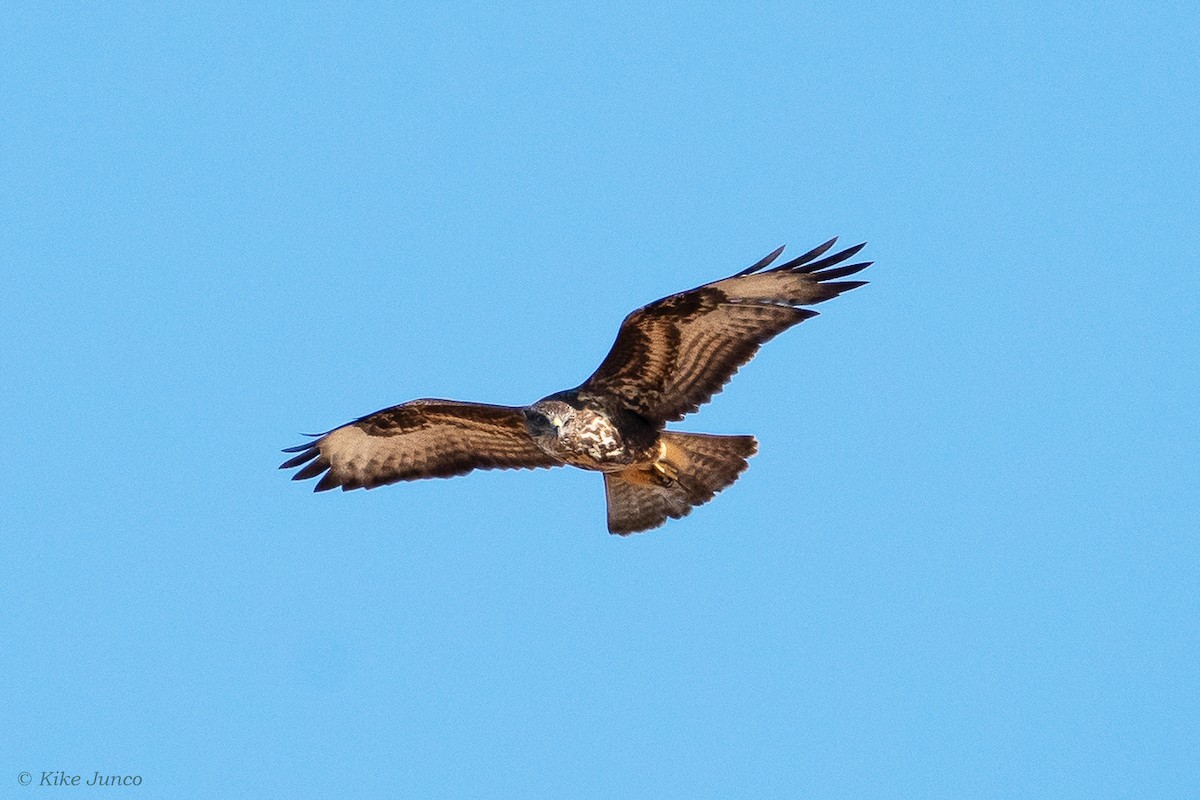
(690, 469)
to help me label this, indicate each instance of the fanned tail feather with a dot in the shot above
(693, 467)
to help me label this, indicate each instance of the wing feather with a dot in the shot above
(672, 356)
(419, 439)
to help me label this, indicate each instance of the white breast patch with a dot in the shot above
(593, 438)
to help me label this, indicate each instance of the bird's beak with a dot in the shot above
(557, 422)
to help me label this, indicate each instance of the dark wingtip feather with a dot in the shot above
(841, 272)
(829, 261)
(304, 446)
(308, 455)
(816, 252)
(312, 470)
(762, 262)
(843, 286)
(326, 483)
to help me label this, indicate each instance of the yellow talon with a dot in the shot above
(666, 473)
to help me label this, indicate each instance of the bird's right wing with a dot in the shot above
(418, 439)
(676, 353)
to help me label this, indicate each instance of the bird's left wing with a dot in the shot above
(674, 354)
(418, 439)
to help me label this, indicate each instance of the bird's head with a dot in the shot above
(546, 418)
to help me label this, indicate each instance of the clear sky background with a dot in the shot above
(965, 563)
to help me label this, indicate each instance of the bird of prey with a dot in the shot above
(669, 358)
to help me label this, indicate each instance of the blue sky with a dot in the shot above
(964, 564)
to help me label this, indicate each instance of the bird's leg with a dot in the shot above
(664, 473)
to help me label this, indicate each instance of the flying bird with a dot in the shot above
(669, 358)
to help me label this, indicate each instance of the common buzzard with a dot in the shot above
(669, 358)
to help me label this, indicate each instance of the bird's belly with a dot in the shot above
(593, 442)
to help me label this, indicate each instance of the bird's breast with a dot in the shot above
(593, 441)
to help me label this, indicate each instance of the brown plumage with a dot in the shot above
(670, 357)
(673, 355)
(702, 465)
(418, 439)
